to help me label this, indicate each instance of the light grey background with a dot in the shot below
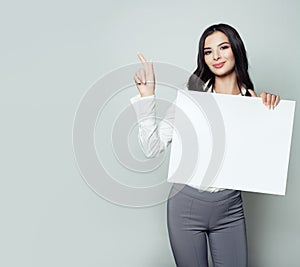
(51, 52)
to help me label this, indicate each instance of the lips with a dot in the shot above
(219, 65)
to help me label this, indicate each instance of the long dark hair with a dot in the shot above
(202, 74)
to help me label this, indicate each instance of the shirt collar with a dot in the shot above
(210, 89)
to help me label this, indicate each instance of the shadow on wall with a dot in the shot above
(263, 230)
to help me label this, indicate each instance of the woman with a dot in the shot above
(214, 215)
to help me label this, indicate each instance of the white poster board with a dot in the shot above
(239, 142)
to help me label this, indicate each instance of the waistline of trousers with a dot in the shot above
(205, 195)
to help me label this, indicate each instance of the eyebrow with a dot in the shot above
(218, 45)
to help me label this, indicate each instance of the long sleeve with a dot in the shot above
(153, 137)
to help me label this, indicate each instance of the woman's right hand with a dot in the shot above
(144, 77)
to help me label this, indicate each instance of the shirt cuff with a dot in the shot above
(144, 108)
(139, 97)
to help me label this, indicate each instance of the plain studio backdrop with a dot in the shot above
(51, 53)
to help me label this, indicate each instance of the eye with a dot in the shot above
(224, 47)
(206, 53)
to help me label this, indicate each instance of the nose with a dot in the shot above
(216, 55)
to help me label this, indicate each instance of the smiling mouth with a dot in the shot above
(219, 65)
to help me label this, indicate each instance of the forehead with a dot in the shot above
(215, 39)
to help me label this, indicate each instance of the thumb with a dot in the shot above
(252, 93)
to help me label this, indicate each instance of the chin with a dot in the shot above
(222, 73)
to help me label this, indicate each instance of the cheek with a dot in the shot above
(206, 60)
(229, 55)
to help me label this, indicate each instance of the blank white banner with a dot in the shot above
(240, 143)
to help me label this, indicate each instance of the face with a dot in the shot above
(218, 55)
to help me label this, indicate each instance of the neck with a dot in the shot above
(227, 84)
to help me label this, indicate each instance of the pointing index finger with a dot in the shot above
(142, 58)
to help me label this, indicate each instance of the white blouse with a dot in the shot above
(154, 138)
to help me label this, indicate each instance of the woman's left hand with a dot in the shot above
(269, 100)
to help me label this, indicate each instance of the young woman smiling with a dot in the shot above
(195, 216)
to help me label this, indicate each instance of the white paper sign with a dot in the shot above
(234, 142)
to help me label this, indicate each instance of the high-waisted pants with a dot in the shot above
(195, 217)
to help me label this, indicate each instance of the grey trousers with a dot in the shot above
(194, 216)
